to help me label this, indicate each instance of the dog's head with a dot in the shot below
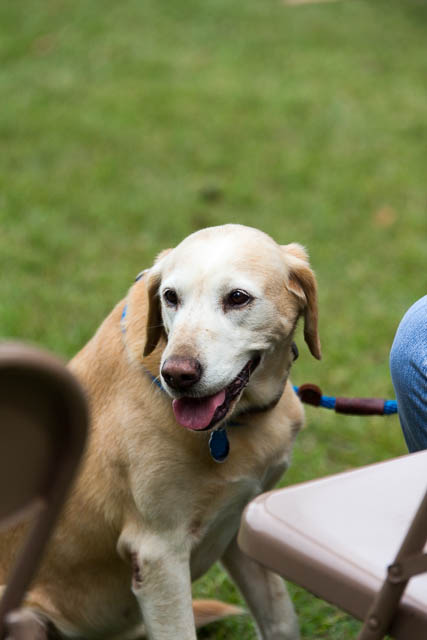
(228, 300)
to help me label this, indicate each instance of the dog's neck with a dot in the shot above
(268, 383)
(250, 410)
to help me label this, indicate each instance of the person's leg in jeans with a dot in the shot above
(408, 366)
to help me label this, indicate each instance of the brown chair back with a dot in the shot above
(43, 427)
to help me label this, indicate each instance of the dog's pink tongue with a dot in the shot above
(197, 413)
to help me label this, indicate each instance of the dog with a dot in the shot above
(192, 416)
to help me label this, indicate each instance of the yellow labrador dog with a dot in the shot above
(193, 415)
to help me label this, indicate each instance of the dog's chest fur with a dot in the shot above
(212, 537)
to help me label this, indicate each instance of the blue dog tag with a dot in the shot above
(219, 445)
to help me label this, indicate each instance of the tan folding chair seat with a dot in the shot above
(337, 536)
(43, 426)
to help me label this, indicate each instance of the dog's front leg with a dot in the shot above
(265, 593)
(162, 585)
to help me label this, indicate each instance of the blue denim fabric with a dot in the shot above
(408, 366)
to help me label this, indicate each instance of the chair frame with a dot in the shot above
(410, 561)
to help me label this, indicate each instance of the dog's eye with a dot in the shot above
(237, 298)
(171, 297)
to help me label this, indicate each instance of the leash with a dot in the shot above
(312, 394)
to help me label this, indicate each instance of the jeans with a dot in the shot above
(408, 366)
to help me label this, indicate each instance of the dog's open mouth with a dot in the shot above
(203, 413)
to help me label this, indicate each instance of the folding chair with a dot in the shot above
(355, 539)
(43, 425)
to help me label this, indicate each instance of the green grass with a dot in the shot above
(126, 125)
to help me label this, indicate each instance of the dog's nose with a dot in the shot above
(181, 373)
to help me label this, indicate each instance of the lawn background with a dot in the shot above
(124, 126)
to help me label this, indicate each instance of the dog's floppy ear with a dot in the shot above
(302, 283)
(154, 317)
(154, 327)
